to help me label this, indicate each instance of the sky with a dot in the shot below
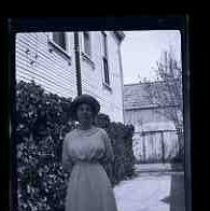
(141, 49)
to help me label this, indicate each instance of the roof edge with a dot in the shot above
(142, 83)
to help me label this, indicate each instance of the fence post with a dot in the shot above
(163, 147)
(144, 148)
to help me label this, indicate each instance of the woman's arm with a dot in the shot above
(66, 161)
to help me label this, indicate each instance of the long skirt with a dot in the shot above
(89, 189)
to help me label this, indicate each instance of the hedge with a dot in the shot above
(121, 139)
(41, 123)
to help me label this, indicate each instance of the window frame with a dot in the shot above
(85, 56)
(56, 47)
(64, 40)
(87, 53)
(107, 83)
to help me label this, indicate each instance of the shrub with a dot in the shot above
(121, 139)
(41, 123)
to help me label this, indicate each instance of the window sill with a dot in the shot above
(56, 47)
(107, 86)
(88, 59)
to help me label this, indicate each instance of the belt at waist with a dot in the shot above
(86, 162)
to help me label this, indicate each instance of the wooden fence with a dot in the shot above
(155, 146)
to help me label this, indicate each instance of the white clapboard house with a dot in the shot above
(69, 63)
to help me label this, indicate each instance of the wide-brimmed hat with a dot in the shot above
(85, 98)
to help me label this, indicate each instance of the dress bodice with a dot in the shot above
(86, 145)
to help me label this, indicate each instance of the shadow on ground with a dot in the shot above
(177, 193)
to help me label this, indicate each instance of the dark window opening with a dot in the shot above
(105, 59)
(105, 44)
(87, 43)
(106, 71)
(60, 39)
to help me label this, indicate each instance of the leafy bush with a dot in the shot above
(121, 139)
(41, 123)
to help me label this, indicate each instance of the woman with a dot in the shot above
(89, 188)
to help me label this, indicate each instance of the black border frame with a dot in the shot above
(148, 22)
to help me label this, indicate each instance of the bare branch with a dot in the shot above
(167, 92)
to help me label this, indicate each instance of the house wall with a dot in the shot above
(52, 70)
(93, 76)
(39, 60)
(148, 119)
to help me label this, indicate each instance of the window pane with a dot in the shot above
(59, 38)
(104, 44)
(106, 70)
(87, 43)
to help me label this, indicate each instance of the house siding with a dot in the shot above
(56, 73)
(46, 68)
(141, 117)
(92, 77)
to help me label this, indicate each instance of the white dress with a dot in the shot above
(89, 188)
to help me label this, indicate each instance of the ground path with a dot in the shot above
(153, 189)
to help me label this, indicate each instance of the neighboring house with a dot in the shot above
(49, 59)
(155, 138)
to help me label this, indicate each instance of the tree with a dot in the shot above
(166, 92)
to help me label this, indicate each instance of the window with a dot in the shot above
(104, 44)
(59, 42)
(60, 39)
(105, 59)
(87, 43)
(106, 70)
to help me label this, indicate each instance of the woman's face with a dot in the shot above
(85, 114)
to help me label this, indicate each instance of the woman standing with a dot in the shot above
(89, 188)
